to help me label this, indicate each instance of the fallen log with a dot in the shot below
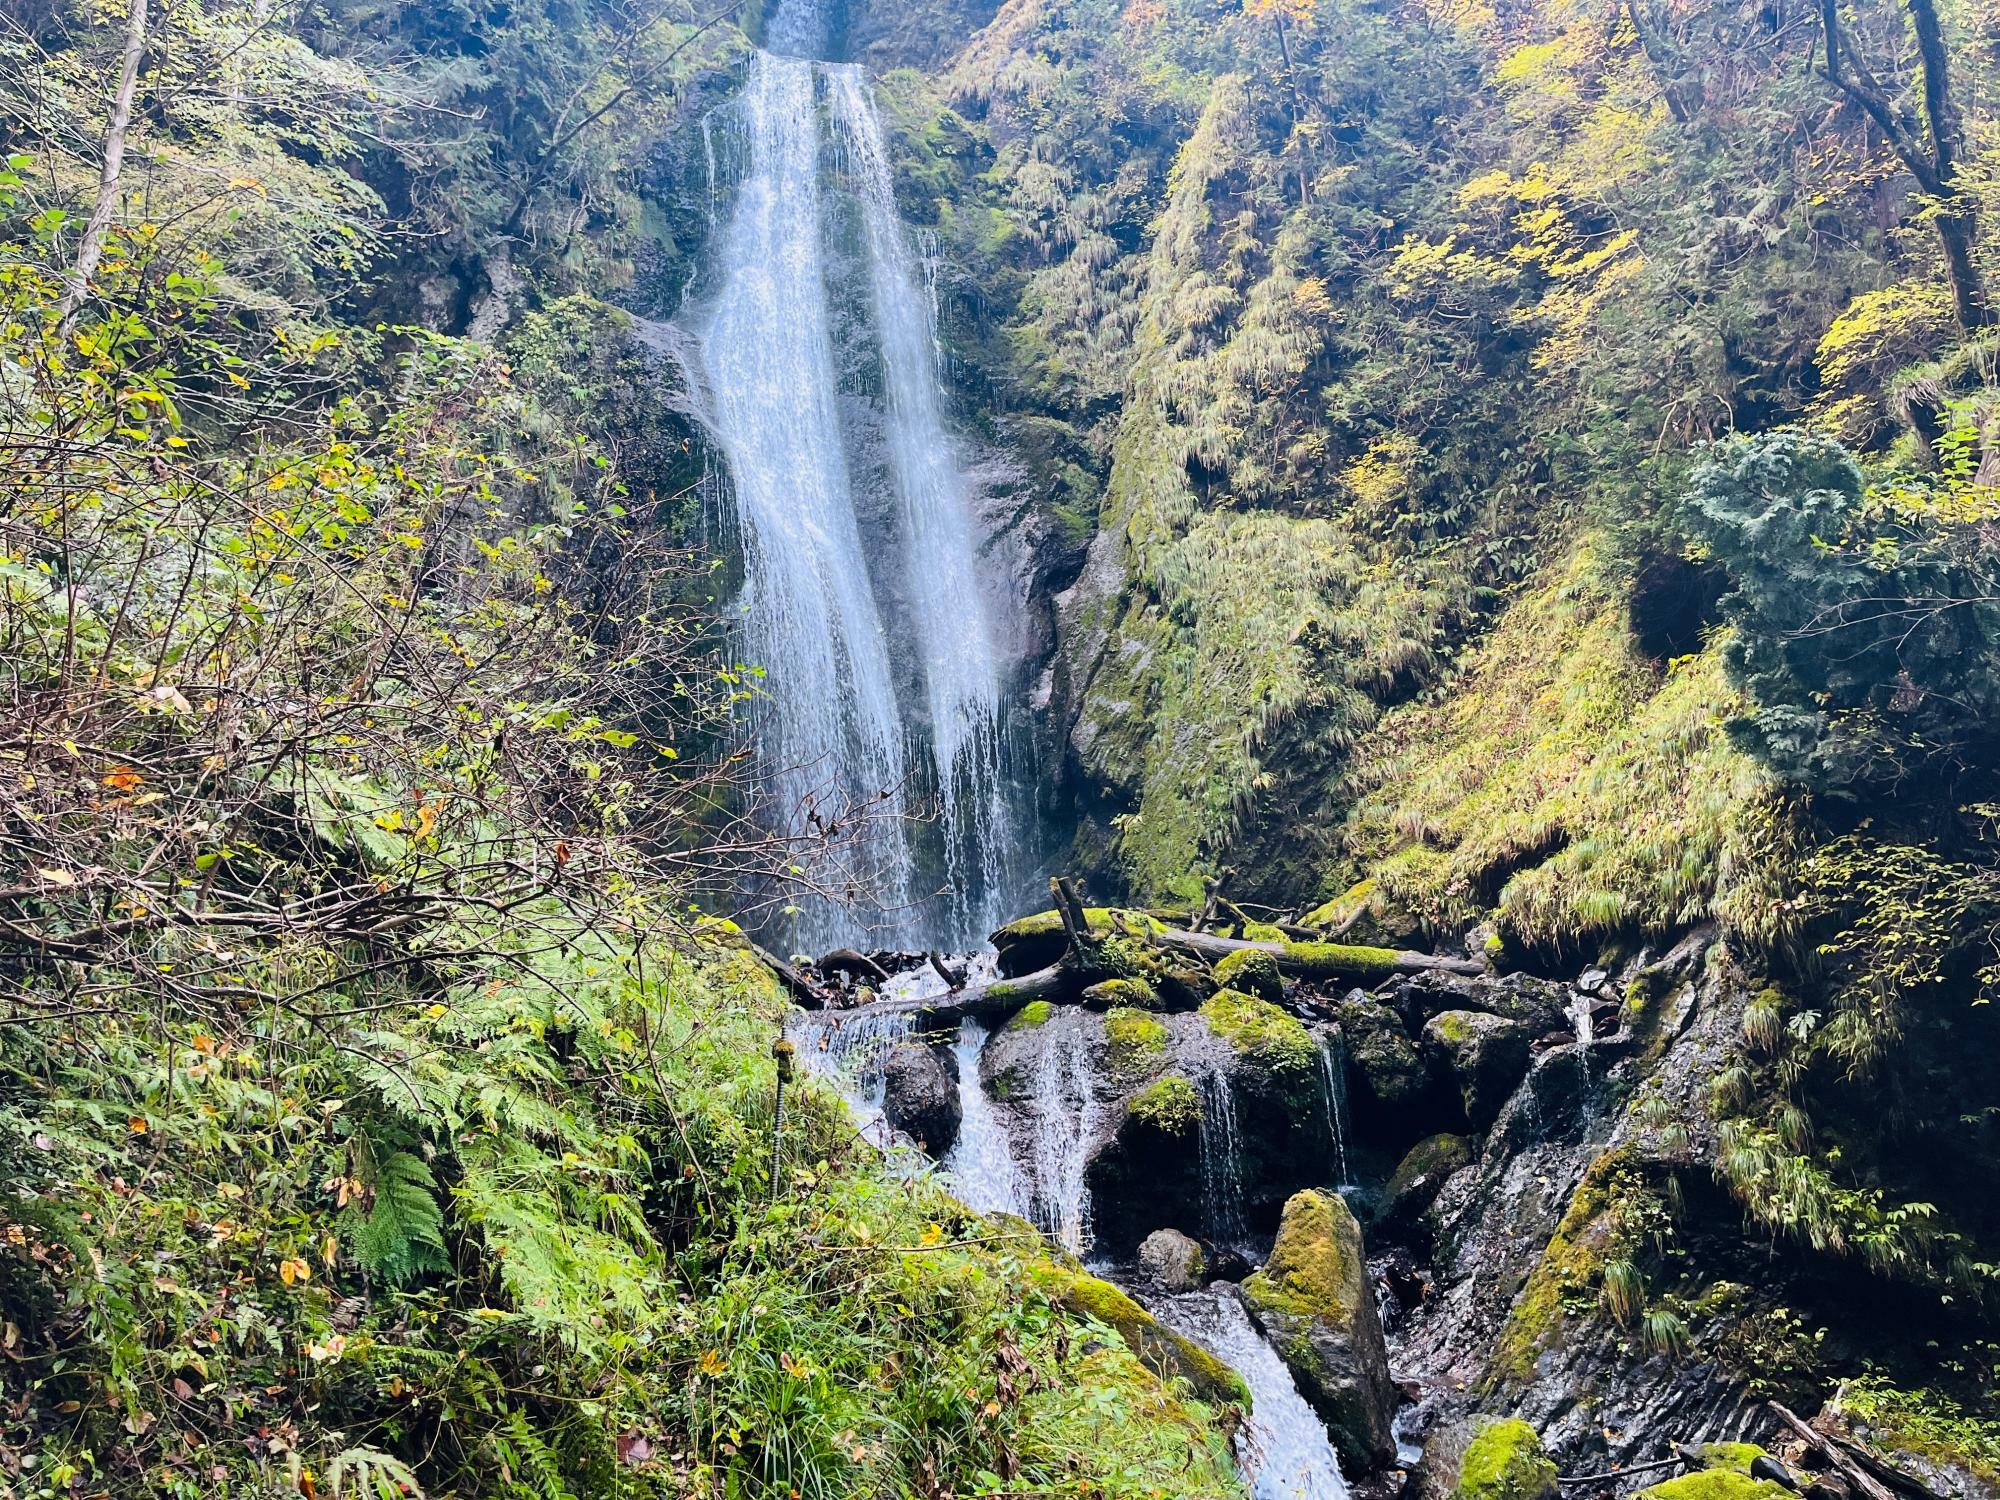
(984, 1002)
(803, 990)
(1834, 1453)
(1305, 960)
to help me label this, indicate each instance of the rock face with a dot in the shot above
(1172, 1261)
(1486, 1056)
(1313, 1300)
(920, 1096)
(1422, 1173)
(1386, 1072)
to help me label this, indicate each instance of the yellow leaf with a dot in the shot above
(138, 1125)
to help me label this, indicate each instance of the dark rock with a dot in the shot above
(1172, 1261)
(1487, 1055)
(1386, 1073)
(920, 1096)
(1483, 1458)
(1314, 1301)
(1418, 1178)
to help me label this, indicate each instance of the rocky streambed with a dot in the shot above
(1449, 1225)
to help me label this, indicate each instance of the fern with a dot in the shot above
(365, 1474)
(403, 1235)
(533, 1469)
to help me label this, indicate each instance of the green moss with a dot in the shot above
(1315, 1269)
(1436, 1156)
(1452, 1026)
(1131, 994)
(1348, 962)
(1716, 1484)
(1087, 1296)
(1567, 1277)
(1737, 1456)
(1342, 907)
(1251, 971)
(1594, 793)
(1261, 1033)
(1505, 1461)
(1031, 1015)
(1137, 1040)
(1169, 1104)
(1263, 932)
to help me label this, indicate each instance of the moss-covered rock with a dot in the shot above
(1251, 971)
(1716, 1484)
(1487, 1057)
(1505, 1461)
(1169, 1105)
(1035, 942)
(1386, 1073)
(1086, 1296)
(1423, 1171)
(1134, 994)
(1262, 1034)
(1737, 1456)
(1313, 1299)
(1034, 1013)
(1135, 1041)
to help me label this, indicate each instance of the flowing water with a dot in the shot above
(849, 1049)
(1062, 1104)
(1283, 1448)
(1333, 1088)
(981, 1164)
(880, 742)
(1221, 1159)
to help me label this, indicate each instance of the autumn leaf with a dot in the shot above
(124, 779)
(712, 1363)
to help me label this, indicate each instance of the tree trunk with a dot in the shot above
(90, 249)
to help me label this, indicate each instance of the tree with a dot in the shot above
(90, 249)
(1931, 149)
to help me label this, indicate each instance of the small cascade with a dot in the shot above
(981, 1164)
(1062, 1103)
(1221, 1160)
(1283, 1448)
(850, 1049)
(1333, 1087)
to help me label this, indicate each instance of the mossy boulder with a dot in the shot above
(1086, 1296)
(1251, 971)
(1505, 1461)
(1133, 994)
(1028, 1017)
(1271, 1041)
(1388, 1082)
(1313, 1299)
(1135, 1041)
(1485, 1055)
(1168, 1105)
(1716, 1484)
(1737, 1456)
(1418, 1178)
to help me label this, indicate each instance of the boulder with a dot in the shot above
(1505, 1460)
(1419, 1177)
(1172, 1261)
(1386, 1073)
(1314, 1301)
(1716, 1484)
(1486, 1055)
(920, 1096)
(1251, 971)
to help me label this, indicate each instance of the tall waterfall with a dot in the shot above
(883, 712)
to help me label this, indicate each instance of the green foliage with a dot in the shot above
(1863, 626)
(401, 1236)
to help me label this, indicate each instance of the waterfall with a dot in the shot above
(1221, 1147)
(1333, 1087)
(809, 613)
(1283, 1448)
(850, 1051)
(981, 1164)
(1062, 1103)
(961, 680)
(883, 715)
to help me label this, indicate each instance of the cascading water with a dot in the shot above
(1221, 1159)
(1333, 1085)
(1063, 1105)
(850, 1049)
(1283, 1447)
(981, 1164)
(884, 719)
